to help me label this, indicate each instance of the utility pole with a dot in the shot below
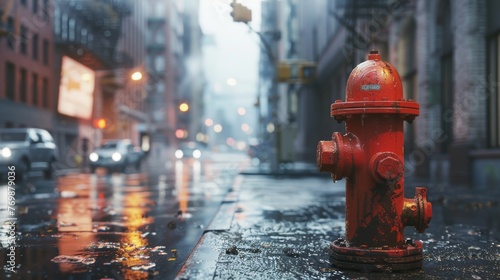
(243, 14)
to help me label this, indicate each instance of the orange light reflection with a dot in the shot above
(181, 181)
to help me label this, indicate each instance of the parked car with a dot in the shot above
(116, 155)
(188, 150)
(27, 149)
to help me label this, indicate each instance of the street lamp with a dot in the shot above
(231, 82)
(245, 128)
(240, 14)
(218, 128)
(184, 107)
(136, 76)
(126, 100)
(242, 111)
(209, 122)
(100, 123)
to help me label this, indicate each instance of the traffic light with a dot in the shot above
(302, 72)
(100, 123)
(240, 13)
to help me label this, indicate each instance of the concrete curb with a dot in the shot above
(285, 173)
(197, 265)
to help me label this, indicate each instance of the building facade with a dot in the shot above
(26, 65)
(26, 48)
(38, 38)
(446, 53)
(165, 68)
(193, 81)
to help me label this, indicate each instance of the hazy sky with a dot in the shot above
(236, 50)
(233, 54)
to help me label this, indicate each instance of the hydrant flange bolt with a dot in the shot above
(386, 167)
(326, 156)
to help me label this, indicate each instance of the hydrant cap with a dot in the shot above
(374, 80)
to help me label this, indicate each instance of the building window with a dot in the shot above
(11, 38)
(34, 47)
(159, 37)
(83, 36)
(90, 40)
(494, 91)
(64, 26)
(57, 21)
(24, 39)
(45, 10)
(10, 79)
(72, 27)
(35, 6)
(22, 85)
(45, 52)
(10, 25)
(159, 64)
(408, 70)
(447, 98)
(446, 76)
(34, 89)
(45, 93)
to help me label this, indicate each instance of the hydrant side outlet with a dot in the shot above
(371, 158)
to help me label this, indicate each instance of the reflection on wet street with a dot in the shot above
(283, 227)
(120, 226)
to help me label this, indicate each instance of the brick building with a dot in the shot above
(26, 63)
(446, 53)
(37, 36)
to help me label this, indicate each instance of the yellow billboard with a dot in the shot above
(76, 89)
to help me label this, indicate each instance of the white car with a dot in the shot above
(116, 155)
(27, 149)
(188, 150)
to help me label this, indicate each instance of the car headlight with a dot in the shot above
(93, 157)
(179, 154)
(6, 152)
(116, 156)
(196, 153)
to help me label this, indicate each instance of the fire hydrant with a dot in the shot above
(370, 157)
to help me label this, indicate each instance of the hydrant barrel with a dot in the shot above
(370, 155)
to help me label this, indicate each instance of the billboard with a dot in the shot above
(76, 89)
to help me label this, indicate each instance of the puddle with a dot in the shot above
(66, 224)
(73, 259)
(144, 266)
(104, 245)
(68, 194)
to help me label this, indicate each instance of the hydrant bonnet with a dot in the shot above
(374, 87)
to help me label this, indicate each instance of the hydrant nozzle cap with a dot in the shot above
(373, 55)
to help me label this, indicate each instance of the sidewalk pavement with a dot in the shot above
(280, 226)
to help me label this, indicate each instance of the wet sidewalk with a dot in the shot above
(280, 226)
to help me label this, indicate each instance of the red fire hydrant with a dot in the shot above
(370, 157)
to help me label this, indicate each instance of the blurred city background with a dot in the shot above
(155, 139)
(257, 76)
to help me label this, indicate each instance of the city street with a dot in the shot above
(219, 218)
(118, 226)
(281, 227)
(249, 139)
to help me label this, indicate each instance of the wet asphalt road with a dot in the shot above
(120, 226)
(282, 228)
